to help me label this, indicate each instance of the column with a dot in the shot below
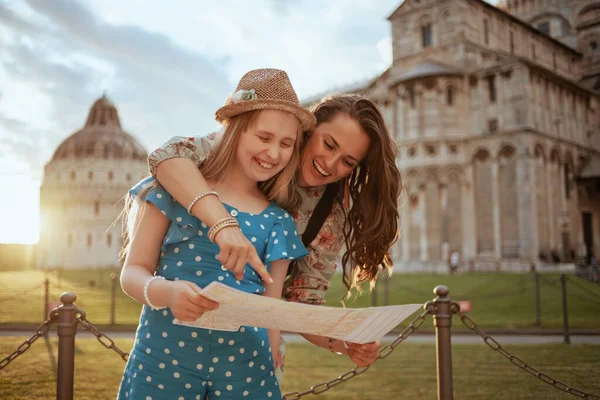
(405, 227)
(443, 188)
(528, 247)
(423, 205)
(469, 239)
(496, 205)
(550, 197)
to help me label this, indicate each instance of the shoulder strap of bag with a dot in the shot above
(319, 215)
(317, 219)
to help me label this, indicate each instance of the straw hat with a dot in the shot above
(265, 89)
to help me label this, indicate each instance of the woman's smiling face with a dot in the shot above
(333, 150)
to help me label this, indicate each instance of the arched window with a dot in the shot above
(486, 32)
(91, 175)
(109, 239)
(449, 96)
(73, 175)
(426, 35)
(96, 208)
(89, 240)
(110, 175)
(412, 97)
(491, 88)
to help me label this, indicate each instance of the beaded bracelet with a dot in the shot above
(146, 298)
(201, 195)
(224, 223)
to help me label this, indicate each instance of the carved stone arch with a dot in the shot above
(454, 173)
(555, 156)
(549, 15)
(507, 151)
(481, 154)
(586, 13)
(582, 161)
(568, 159)
(445, 13)
(424, 19)
(590, 43)
(414, 179)
(432, 174)
(539, 152)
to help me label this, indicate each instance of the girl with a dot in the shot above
(173, 254)
(352, 155)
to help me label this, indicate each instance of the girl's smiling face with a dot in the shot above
(266, 147)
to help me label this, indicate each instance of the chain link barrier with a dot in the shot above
(23, 347)
(101, 337)
(556, 285)
(415, 324)
(494, 345)
(383, 353)
(577, 284)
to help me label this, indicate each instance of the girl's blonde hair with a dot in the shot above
(281, 188)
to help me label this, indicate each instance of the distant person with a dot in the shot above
(555, 256)
(454, 262)
(594, 265)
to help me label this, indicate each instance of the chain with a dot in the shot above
(102, 338)
(584, 289)
(494, 345)
(383, 353)
(41, 331)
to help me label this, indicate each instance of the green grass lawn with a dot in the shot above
(498, 300)
(408, 373)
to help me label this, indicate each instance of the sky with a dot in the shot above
(167, 65)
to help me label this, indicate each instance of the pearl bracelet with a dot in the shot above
(146, 298)
(201, 195)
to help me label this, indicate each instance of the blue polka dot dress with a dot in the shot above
(171, 361)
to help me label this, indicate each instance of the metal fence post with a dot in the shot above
(374, 293)
(442, 320)
(563, 281)
(386, 291)
(538, 303)
(113, 297)
(46, 298)
(66, 330)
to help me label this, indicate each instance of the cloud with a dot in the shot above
(168, 69)
(159, 87)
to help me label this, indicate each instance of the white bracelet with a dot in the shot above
(146, 298)
(201, 195)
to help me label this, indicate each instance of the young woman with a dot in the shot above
(172, 254)
(351, 154)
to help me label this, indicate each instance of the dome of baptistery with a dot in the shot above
(101, 137)
(82, 193)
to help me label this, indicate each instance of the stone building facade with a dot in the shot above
(82, 192)
(497, 116)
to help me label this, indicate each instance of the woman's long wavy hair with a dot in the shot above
(280, 188)
(371, 224)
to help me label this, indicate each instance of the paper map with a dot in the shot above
(357, 325)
